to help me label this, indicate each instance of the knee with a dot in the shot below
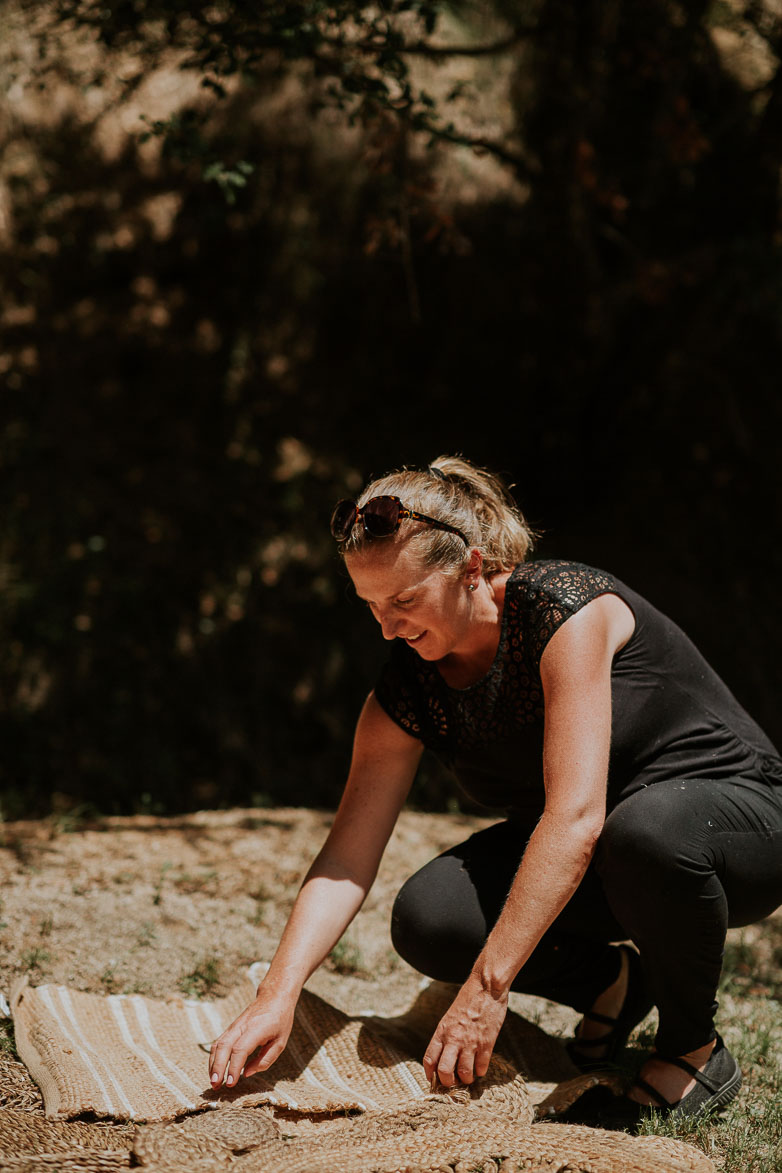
(430, 927)
(646, 836)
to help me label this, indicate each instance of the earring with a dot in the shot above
(473, 586)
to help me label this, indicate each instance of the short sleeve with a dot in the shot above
(555, 591)
(396, 692)
(413, 694)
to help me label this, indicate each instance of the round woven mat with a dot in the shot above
(17, 1089)
(29, 1143)
(486, 1128)
(205, 1143)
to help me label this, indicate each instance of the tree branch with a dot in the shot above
(519, 164)
(423, 49)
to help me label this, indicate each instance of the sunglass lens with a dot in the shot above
(343, 519)
(381, 516)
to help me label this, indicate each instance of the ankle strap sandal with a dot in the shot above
(636, 1006)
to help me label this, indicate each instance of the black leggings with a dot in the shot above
(676, 865)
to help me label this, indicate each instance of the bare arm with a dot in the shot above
(385, 759)
(576, 676)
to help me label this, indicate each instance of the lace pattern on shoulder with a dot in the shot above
(539, 597)
(555, 591)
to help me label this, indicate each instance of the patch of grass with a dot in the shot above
(738, 965)
(261, 896)
(70, 819)
(47, 925)
(146, 936)
(137, 987)
(157, 894)
(346, 958)
(747, 1136)
(258, 916)
(7, 1039)
(25, 853)
(185, 882)
(752, 962)
(108, 979)
(36, 958)
(391, 961)
(201, 980)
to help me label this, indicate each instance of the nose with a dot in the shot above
(389, 625)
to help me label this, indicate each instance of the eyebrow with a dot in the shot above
(404, 591)
(407, 590)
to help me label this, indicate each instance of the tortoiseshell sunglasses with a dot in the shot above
(381, 517)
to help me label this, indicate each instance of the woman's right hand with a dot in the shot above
(385, 759)
(253, 1041)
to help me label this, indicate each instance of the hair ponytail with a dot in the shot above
(455, 491)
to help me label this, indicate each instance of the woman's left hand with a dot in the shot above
(462, 1045)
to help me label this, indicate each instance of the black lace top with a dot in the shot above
(672, 715)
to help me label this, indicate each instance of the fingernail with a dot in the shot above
(215, 1077)
(229, 1080)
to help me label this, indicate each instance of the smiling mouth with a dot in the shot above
(414, 639)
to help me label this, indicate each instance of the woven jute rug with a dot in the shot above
(347, 1097)
(127, 1057)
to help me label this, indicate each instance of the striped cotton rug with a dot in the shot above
(128, 1057)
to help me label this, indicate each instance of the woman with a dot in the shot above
(643, 804)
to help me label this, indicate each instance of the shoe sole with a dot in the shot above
(726, 1094)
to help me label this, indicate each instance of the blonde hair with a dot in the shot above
(455, 491)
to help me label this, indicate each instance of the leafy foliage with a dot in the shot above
(293, 274)
(359, 51)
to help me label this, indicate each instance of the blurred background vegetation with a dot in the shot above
(253, 253)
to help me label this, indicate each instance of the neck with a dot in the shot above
(470, 663)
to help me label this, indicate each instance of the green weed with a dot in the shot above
(346, 958)
(7, 1039)
(747, 1136)
(146, 935)
(157, 894)
(201, 883)
(68, 820)
(261, 896)
(202, 980)
(36, 958)
(108, 979)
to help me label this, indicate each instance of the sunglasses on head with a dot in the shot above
(380, 517)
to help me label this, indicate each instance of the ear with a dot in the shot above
(474, 568)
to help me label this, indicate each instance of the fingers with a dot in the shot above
(253, 1042)
(218, 1060)
(239, 1056)
(227, 1058)
(263, 1058)
(482, 1059)
(450, 1063)
(432, 1058)
(242, 1048)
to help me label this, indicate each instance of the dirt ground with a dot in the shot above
(162, 906)
(182, 905)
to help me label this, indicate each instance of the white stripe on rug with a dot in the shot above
(84, 1048)
(114, 1001)
(333, 1074)
(141, 1010)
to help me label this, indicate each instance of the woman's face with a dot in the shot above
(429, 610)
